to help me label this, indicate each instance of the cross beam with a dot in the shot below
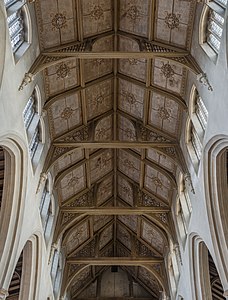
(115, 261)
(116, 54)
(113, 145)
(115, 210)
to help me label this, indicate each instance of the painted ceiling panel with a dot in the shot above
(106, 115)
(129, 165)
(131, 98)
(158, 183)
(99, 98)
(97, 16)
(65, 114)
(165, 113)
(134, 16)
(61, 77)
(105, 190)
(125, 190)
(168, 75)
(72, 183)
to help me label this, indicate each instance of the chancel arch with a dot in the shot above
(216, 189)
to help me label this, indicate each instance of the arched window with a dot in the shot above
(46, 210)
(215, 23)
(196, 126)
(56, 271)
(183, 209)
(33, 126)
(211, 26)
(18, 26)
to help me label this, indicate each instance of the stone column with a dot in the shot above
(3, 294)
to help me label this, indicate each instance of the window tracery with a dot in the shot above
(32, 122)
(56, 271)
(183, 209)
(213, 22)
(196, 126)
(46, 211)
(18, 25)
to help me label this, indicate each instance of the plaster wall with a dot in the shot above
(12, 103)
(217, 106)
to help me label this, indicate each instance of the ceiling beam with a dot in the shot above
(115, 210)
(115, 54)
(113, 145)
(115, 261)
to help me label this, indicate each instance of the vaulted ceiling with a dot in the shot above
(115, 124)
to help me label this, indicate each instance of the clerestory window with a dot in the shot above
(18, 25)
(32, 123)
(196, 126)
(215, 24)
(46, 211)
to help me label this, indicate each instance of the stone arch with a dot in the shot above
(12, 203)
(202, 269)
(24, 280)
(216, 190)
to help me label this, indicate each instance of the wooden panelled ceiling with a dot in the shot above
(115, 126)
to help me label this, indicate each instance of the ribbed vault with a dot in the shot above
(115, 74)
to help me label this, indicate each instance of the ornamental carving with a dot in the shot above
(97, 62)
(59, 21)
(167, 70)
(99, 101)
(133, 13)
(83, 201)
(172, 20)
(157, 182)
(164, 113)
(101, 162)
(73, 181)
(88, 250)
(133, 61)
(162, 217)
(78, 135)
(67, 113)
(107, 252)
(97, 13)
(148, 135)
(63, 71)
(129, 164)
(129, 97)
(59, 151)
(80, 281)
(129, 134)
(143, 250)
(149, 280)
(102, 134)
(146, 200)
(171, 151)
(122, 252)
(67, 217)
(74, 269)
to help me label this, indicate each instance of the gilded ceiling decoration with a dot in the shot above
(115, 126)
